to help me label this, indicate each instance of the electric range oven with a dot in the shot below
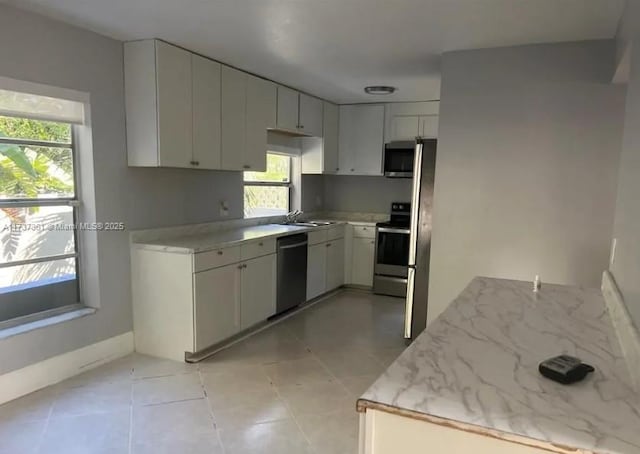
(392, 252)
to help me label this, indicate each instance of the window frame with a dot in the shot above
(278, 184)
(72, 201)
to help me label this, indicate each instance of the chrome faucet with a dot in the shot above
(293, 216)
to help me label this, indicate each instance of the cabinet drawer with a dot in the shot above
(335, 232)
(364, 231)
(317, 236)
(213, 259)
(257, 248)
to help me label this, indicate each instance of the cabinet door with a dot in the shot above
(310, 115)
(429, 126)
(217, 305)
(330, 137)
(173, 78)
(316, 270)
(261, 114)
(405, 128)
(258, 295)
(287, 109)
(233, 124)
(335, 264)
(362, 261)
(361, 137)
(205, 75)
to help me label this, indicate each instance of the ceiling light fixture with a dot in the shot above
(379, 90)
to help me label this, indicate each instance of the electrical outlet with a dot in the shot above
(224, 208)
(612, 259)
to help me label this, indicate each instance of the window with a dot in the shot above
(38, 200)
(268, 193)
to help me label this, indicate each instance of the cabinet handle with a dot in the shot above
(239, 267)
(364, 228)
(220, 252)
(337, 168)
(373, 242)
(328, 244)
(244, 266)
(301, 126)
(260, 243)
(353, 170)
(246, 166)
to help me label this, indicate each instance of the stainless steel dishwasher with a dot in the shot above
(292, 271)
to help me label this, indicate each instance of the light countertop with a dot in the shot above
(476, 368)
(194, 243)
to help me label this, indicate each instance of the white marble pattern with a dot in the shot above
(628, 335)
(477, 364)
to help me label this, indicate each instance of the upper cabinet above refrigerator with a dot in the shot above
(406, 121)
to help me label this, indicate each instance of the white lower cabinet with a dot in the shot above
(325, 262)
(257, 290)
(186, 303)
(362, 261)
(316, 270)
(217, 305)
(335, 264)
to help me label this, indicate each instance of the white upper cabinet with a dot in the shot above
(320, 155)
(331, 120)
(310, 115)
(158, 97)
(248, 109)
(288, 105)
(361, 139)
(429, 126)
(234, 103)
(206, 79)
(174, 105)
(406, 121)
(261, 115)
(299, 113)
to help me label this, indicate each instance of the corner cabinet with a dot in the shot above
(361, 139)
(320, 155)
(185, 303)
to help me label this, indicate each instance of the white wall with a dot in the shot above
(527, 163)
(626, 266)
(41, 50)
(364, 194)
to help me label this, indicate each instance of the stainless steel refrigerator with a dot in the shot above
(417, 299)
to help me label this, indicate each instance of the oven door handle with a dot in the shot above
(391, 230)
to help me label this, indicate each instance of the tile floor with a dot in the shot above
(289, 389)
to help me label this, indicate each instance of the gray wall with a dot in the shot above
(364, 194)
(626, 265)
(527, 166)
(40, 50)
(312, 193)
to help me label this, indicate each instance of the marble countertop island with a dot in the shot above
(476, 369)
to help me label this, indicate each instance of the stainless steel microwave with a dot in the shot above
(398, 159)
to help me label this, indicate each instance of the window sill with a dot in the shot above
(29, 323)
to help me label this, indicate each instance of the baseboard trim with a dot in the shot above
(53, 370)
(628, 335)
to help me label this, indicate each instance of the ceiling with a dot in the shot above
(334, 48)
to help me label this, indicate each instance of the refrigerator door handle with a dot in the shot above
(408, 310)
(415, 203)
